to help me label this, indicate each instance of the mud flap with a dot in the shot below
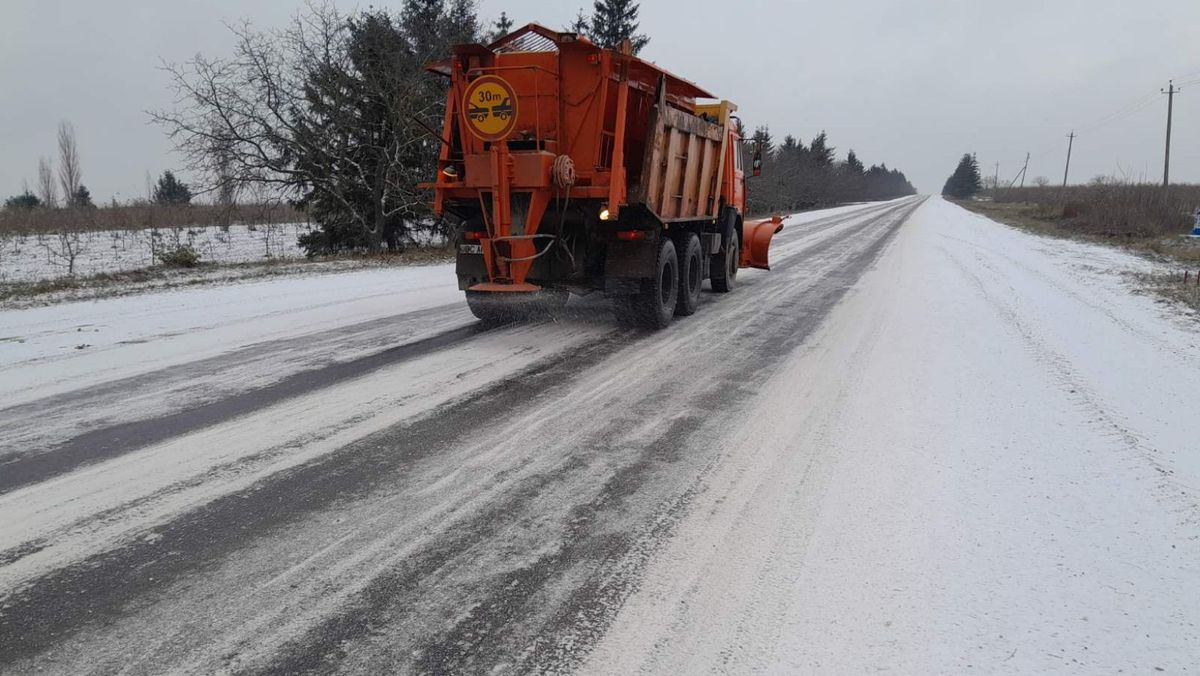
(756, 242)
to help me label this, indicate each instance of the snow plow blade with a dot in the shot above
(756, 242)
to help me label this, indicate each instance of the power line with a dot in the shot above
(1129, 109)
(1122, 112)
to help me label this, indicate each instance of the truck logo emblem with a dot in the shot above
(490, 105)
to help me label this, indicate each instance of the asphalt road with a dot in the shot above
(469, 501)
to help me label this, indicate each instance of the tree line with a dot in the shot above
(64, 189)
(796, 176)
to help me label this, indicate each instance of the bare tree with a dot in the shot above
(69, 173)
(63, 247)
(47, 189)
(284, 114)
(1041, 181)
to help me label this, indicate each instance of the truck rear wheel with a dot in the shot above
(724, 267)
(691, 275)
(654, 307)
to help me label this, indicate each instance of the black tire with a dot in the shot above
(724, 266)
(654, 307)
(691, 276)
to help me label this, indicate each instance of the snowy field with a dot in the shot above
(924, 442)
(31, 258)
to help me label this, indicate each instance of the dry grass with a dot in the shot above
(1178, 288)
(1135, 218)
(1169, 244)
(143, 217)
(1111, 209)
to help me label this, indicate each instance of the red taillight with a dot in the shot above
(631, 235)
(594, 59)
(473, 235)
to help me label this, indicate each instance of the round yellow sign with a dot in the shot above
(490, 105)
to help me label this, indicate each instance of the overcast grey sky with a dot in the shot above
(914, 84)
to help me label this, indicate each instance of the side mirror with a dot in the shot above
(756, 163)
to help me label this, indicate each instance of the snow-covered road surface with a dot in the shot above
(924, 442)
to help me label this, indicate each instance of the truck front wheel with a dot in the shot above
(654, 307)
(724, 267)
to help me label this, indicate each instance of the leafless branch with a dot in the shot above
(69, 173)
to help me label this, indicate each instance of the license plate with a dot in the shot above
(470, 248)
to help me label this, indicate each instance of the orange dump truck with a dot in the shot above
(578, 169)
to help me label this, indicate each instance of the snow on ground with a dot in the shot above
(553, 449)
(60, 351)
(988, 460)
(141, 489)
(30, 258)
(57, 348)
(95, 341)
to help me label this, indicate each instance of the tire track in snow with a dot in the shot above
(1078, 297)
(1076, 387)
(65, 600)
(50, 422)
(109, 442)
(565, 637)
(97, 591)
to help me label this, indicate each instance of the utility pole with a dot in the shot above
(1023, 170)
(996, 180)
(1170, 92)
(1070, 144)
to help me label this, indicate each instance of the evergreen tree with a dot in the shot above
(853, 164)
(796, 177)
(365, 112)
(354, 114)
(614, 21)
(580, 25)
(171, 190)
(25, 200)
(820, 153)
(965, 182)
(763, 142)
(460, 24)
(82, 199)
(419, 20)
(500, 27)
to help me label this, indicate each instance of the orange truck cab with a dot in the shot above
(577, 169)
